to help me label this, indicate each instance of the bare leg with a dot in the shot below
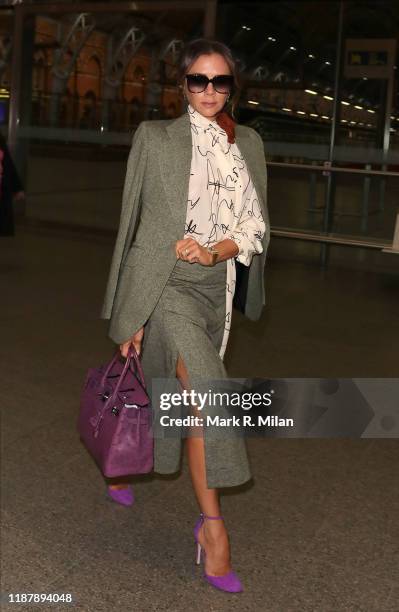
(212, 535)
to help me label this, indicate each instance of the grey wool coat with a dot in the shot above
(152, 219)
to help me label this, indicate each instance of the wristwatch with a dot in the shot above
(214, 254)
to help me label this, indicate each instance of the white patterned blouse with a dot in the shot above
(222, 201)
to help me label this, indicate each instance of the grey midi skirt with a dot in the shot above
(189, 321)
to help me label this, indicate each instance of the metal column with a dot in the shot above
(331, 179)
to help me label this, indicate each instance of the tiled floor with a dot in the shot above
(316, 530)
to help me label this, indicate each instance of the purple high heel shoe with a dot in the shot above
(228, 582)
(122, 496)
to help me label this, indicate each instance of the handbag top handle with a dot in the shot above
(131, 353)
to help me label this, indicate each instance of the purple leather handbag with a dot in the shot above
(115, 417)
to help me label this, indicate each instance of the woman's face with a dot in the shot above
(208, 102)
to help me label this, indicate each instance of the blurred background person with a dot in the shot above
(10, 188)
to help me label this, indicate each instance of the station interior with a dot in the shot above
(317, 527)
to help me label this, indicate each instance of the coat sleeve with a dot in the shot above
(129, 214)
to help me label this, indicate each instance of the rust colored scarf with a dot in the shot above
(228, 124)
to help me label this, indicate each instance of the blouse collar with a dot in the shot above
(198, 119)
(210, 128)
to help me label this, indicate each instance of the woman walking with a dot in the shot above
(194, 203)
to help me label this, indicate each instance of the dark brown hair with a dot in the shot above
(205, 46)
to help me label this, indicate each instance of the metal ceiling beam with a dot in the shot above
(127, 48)
(173, 47)
(76, 38)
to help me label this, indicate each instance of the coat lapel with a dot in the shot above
(175, 167)
(175, 160)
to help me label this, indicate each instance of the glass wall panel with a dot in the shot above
(321, 89)
(319, 84)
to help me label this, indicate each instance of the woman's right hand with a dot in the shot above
(136, 340)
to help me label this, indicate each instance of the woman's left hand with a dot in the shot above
(189, 250)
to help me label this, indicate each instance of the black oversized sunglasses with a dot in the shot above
(222, 83)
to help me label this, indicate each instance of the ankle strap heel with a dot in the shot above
(229, 582)
(214, 518)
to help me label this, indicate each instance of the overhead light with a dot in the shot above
(358, 107)
(310, 91)
(328, 97)
(313, 115)
(311, 56)
(244, 27)
(327, 63)
(325, 117)
(344, 121)
(292, 48)
(252, 102)
(287, 110)
(352, 122)
(345, 103)
(301, 113)
(370, 110)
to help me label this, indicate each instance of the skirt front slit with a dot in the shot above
(189, 320)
